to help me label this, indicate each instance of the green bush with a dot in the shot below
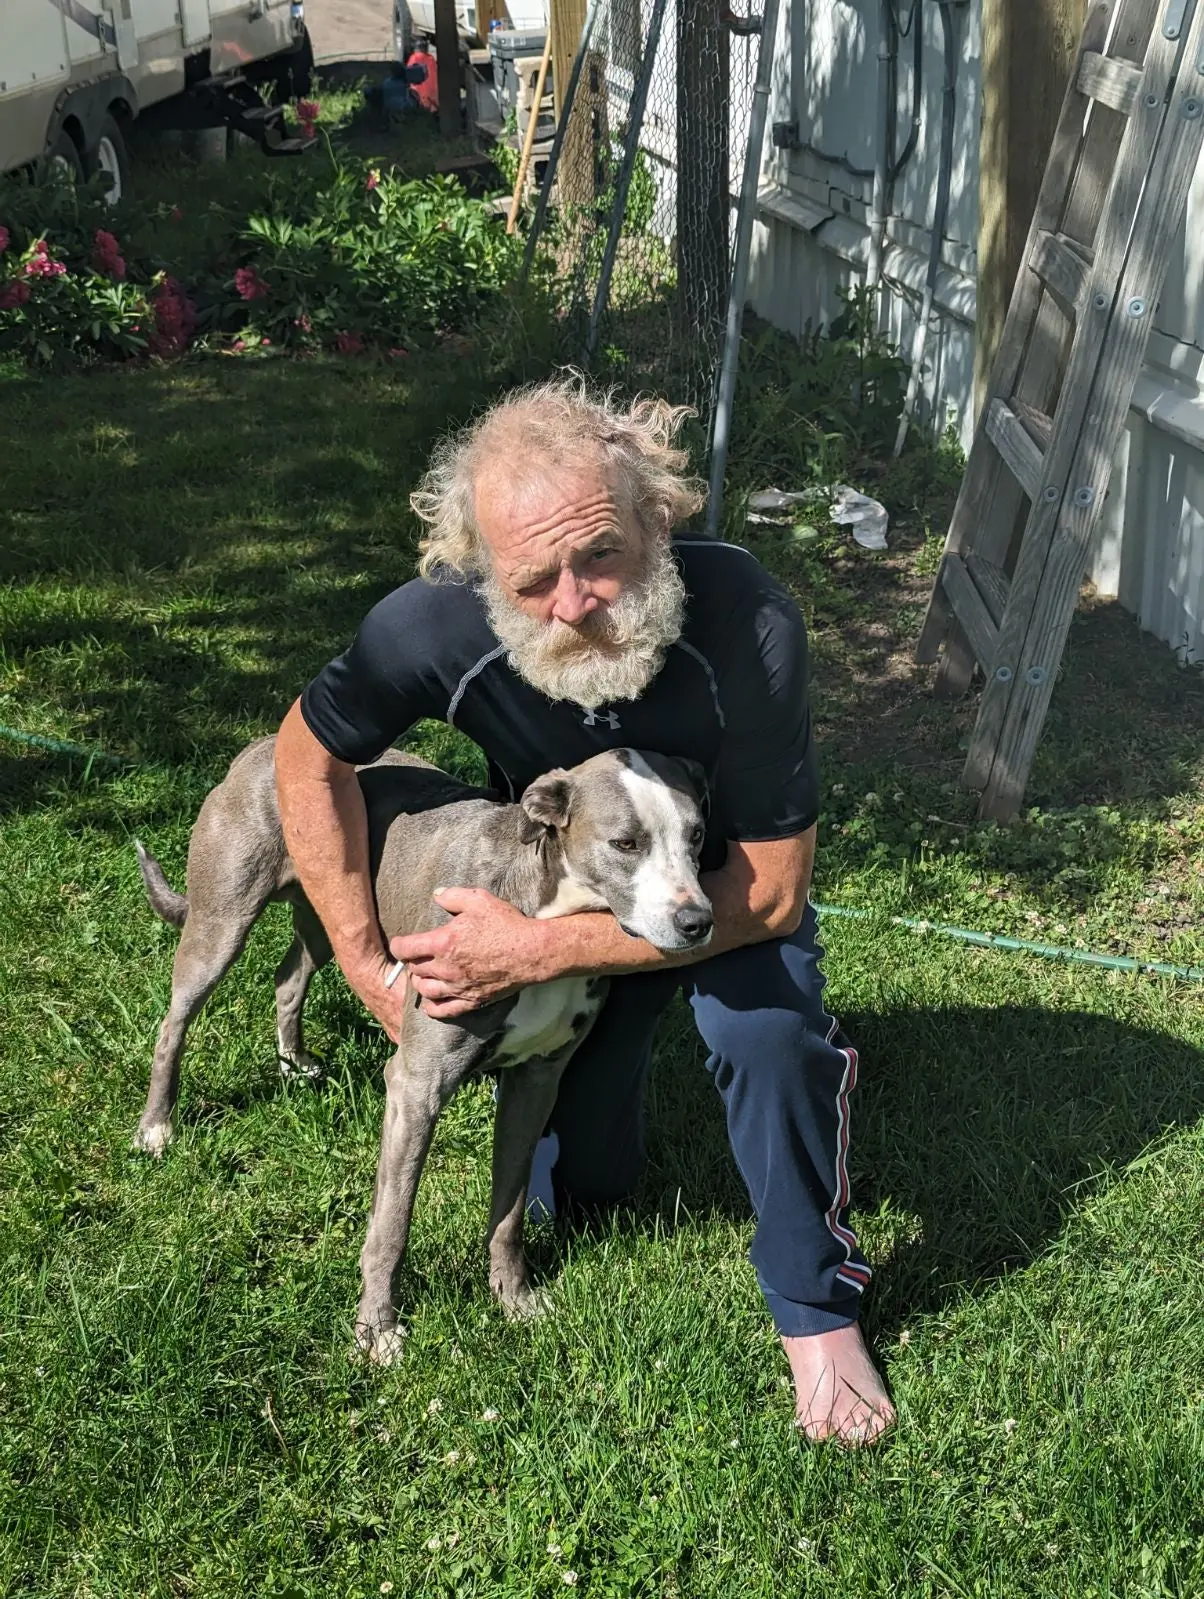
(370, 257)
(328, 252)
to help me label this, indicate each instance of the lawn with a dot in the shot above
(179, 1409)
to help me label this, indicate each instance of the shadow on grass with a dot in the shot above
(975, 1133)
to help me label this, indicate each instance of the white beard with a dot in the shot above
(613, 655)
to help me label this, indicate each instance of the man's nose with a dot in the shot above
(573, 600)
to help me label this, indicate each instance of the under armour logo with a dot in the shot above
(591, 719)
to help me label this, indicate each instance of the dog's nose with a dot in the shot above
(693, 922)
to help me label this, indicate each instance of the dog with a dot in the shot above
(621, 832)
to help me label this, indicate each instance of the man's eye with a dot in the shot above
(625, 846)
(603, 554)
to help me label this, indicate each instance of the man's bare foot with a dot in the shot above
(838, 1393)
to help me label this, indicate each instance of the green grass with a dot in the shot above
(179, 1413)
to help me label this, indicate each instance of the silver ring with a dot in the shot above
(394, 974)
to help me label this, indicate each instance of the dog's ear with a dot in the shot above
(697, 774)
(545, 805)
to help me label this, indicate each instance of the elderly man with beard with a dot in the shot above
(558, 616)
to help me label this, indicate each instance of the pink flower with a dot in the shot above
(239, 345)
(373, 180)
(106, 255)
(249, 284)
(5, 236)
(175, 319)
(265, 342)
(40, 265)
(348, 344)
(303, 323)
(399, 354)
(177, 213)
(307, 116)
(13, 294)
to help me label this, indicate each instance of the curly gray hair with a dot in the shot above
(549, 422)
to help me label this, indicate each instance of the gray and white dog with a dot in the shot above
(621, 832)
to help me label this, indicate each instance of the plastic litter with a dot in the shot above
(867, 518)
(775, 500)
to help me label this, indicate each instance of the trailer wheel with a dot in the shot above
(110, 159)
(64, 156)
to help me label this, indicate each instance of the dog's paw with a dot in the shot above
(154, 1140)
(526, 1304)
(300, 1063)
(383, 1346)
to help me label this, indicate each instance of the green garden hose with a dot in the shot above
(963, 935)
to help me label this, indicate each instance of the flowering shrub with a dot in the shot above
(372, 258)
(336, 255)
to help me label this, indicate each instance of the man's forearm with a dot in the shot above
(325, 827)
(746, 909)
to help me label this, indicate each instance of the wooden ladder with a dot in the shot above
(1112, 199)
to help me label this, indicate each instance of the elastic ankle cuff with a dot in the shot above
(795, 1320)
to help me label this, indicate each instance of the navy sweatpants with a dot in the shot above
(784, 1071)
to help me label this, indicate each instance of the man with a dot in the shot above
(555, 618)
(420, 71)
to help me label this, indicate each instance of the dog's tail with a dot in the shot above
(165, 902)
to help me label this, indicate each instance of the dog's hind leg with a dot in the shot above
(526, 1095)
(308, 953)
(417, 1092)
(208, 947)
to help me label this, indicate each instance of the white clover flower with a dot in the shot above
(569, 1577)
(451, 1457)
(434, 1543)
(435, 1406)
(491, 1414)
(386, 1587)
(555, 1551)
(1009, 1425)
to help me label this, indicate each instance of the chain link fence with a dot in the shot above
(642, 218)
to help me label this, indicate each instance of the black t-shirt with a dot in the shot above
(732, 694)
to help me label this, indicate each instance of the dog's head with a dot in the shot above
(630, 827)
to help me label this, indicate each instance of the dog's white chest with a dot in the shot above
(546, 1018)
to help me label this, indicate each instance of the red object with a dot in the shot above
(249, 284)
(427, 92)
(175, 319)
(5, 236)
(14, 295)
(373, 180)
(177, 213)
(349, 344)
(41, 266)
(106, 255)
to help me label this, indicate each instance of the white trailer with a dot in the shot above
(74, 74)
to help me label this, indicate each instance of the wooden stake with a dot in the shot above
(529, 141)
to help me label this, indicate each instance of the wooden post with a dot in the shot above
(447, 53)
(1027, 51)
(576, 172)
(703, 178)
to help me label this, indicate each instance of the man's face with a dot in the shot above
(561, 549)
(586, 601)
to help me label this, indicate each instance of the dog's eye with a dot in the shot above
(626, 846)
(697, 834)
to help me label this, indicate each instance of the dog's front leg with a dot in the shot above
(419, 1083)
(526, 1095)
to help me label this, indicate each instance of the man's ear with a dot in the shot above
(545, 805)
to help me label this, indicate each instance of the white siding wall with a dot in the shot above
(812, 238)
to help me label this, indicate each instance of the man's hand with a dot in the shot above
(487, 951)
(388, 1005)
